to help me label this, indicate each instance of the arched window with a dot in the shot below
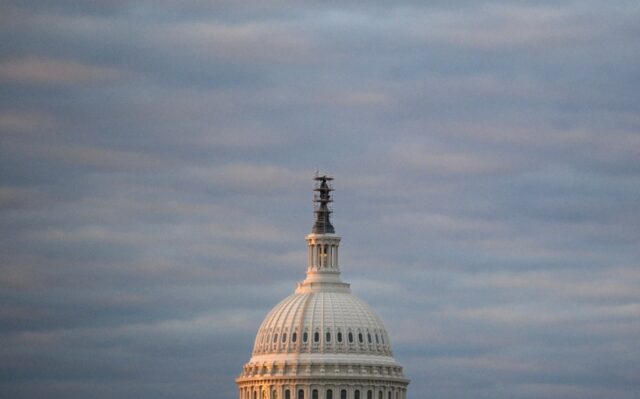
(300, 393)
(360, 339)
(329, 394)
(305, 337)
(326, 252)
(275, 338)
(339, 336)
(356, 394)
(380, 395)
(327, 337)
(377, 341)
(287, 394)
(350, 337)
(274, 394)
(369, 394)
(316, 337)
(369, 337)
(284, 337)
(382, 338)
(343, 394)
(389, 395)
(294, 337)
(314, 394)
(255, 395)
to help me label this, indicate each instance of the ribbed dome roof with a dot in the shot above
(322, 322)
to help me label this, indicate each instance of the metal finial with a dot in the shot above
(322, 199)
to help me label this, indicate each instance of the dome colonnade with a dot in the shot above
(322, 342)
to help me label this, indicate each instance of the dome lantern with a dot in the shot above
(323, 268)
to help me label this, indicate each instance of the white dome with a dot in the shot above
(322, 342)
(322, 322)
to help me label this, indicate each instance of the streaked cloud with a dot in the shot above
(47, 71)
(155, 189)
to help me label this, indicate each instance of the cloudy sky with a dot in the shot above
(155, 189)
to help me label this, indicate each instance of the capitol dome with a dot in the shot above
(322, 342)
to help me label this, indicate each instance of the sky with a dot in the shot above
(156, 164)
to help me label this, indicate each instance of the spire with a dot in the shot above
(322, 198)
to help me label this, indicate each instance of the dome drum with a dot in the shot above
(301, 388)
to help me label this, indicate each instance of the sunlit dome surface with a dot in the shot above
(322, 322)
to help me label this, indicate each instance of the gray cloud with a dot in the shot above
(155, 165)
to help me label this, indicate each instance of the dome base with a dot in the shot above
(330, 385)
